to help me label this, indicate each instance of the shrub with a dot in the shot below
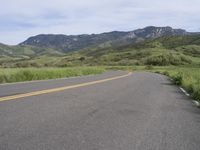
(82, 59)
(196, 93)
(178, 78)
(157, 72)
(166, 73)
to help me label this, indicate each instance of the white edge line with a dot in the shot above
(184, 91)
(196, 103)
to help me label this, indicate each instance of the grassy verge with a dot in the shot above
(29, 74)
(126, 68)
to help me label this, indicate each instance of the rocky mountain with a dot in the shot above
(66, 43)
(152, 32)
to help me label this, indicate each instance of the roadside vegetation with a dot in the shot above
(29, 74)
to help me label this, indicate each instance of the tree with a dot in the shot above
(82, 59)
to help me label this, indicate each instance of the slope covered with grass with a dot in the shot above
(169, 50)
(177, 50)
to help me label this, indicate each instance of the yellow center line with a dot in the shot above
(6, 98)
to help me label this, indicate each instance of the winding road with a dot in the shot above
(116, 110)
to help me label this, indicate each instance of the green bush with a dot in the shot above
(178, 78)
(166, 73)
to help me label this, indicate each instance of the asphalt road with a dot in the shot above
(143, 111)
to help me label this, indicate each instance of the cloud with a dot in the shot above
(26, 18)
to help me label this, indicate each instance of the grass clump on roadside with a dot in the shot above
(29, 74)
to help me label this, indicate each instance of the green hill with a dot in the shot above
(163, 51)
(170, 50)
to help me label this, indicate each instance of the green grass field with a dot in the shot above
(29, 74)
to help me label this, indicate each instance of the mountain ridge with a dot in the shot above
(66, 43)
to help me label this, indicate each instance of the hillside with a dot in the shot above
(26, 51)
(166, 50)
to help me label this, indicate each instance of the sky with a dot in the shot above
(20, 19)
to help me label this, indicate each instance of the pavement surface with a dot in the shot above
(142, 111)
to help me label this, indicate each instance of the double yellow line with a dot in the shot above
(6, 98)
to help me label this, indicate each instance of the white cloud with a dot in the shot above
(20, 19)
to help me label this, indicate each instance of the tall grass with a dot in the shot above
(29, 74)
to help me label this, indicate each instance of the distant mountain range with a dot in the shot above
(65, 43)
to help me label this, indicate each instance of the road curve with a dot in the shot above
(143, 111)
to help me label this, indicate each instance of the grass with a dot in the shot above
(29, 74)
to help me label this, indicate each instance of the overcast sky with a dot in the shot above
(20, 19)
